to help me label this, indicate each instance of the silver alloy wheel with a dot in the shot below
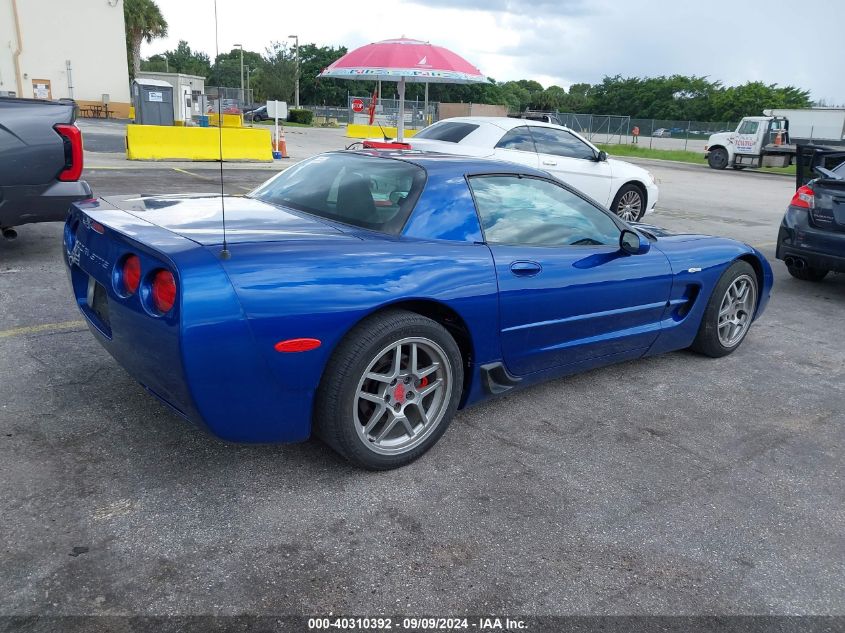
(402, 396)
(736, 310)
(629, 206)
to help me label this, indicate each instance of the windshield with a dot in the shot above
(367, 191)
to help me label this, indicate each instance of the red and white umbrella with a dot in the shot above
(404, 60)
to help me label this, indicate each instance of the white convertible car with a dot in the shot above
(627, 190)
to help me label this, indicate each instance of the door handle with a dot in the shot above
(525, 269)
(549, 163)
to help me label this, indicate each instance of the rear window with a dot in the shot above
(366, 191)
(451, 132)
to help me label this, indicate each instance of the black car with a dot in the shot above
(811, 240)
(40, 162)
(259, 114)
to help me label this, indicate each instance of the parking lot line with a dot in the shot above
(190, 173)
(44, 327)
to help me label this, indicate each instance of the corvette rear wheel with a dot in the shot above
(390, 390)
(729, 312)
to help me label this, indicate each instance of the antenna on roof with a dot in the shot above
(224, 254)
(383, 133)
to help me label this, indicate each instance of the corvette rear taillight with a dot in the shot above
(72, 138)
(163, 291)
(804, 198)
(131, 274)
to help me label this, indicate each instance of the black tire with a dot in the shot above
(718, 158)
(808, 274)
(636, 210)
(337, 405)
(707, 341)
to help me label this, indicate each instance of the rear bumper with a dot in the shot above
(797, 237)
(40, 203)
(201, 358)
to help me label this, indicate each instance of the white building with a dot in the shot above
(188, 91)
(53, 49)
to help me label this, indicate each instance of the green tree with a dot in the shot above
(314, 59)
(277, 77)
(181, 60)
(226, 71)
(144, 21)
(749, 99)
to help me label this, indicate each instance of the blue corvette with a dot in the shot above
(368, 295)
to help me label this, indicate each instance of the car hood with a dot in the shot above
(663, 236)
(199, 217)
(720, 139)
(623, 169)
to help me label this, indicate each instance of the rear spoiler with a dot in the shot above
(809, 156)
(385, 145)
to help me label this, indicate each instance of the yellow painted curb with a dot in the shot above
(357, 130)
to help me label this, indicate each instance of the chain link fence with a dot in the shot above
(655, 133)
(387, 112)
(222, 100)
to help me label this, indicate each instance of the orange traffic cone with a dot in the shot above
(281, 145)
(779, 138)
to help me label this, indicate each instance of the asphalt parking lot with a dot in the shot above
(673, 485)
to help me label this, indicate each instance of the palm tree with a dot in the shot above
(144, 21)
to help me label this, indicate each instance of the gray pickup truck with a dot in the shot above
(40, 162)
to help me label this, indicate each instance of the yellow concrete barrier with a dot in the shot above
(163, 142)
(229, 120)
(357, 130)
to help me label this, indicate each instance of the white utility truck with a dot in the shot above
(770, 140)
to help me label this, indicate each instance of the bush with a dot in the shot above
(300, 116)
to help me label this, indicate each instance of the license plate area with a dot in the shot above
(98, 305)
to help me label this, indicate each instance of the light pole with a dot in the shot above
(296, 93)
(243, 95)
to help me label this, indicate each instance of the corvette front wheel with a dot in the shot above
(390, 390)
(729, 312)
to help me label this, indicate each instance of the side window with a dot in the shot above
(561, 143)
(536, 212)
(518, 138)
(748, 127)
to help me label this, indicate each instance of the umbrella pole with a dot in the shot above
(400, 119)
(425, 107)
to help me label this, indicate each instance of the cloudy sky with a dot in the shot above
(555, 41)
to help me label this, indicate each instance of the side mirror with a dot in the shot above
(602, 156)
(633, 243)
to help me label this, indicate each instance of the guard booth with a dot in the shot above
(153, 102)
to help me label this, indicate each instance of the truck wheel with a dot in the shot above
(718, 158)
(390, 390)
